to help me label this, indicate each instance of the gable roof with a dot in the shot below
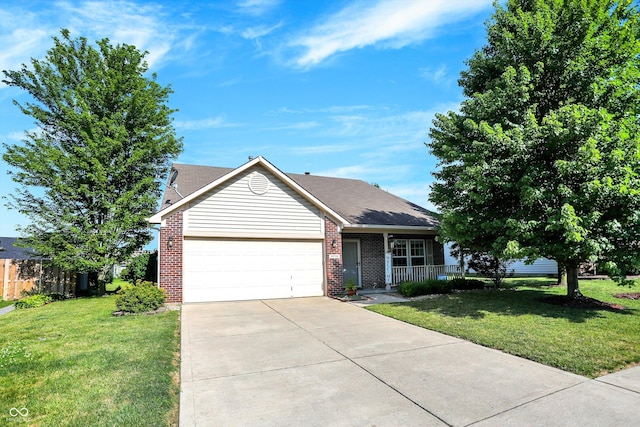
(8, 250)
(356, 202)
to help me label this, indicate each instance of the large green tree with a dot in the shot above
(542, 158)
(90, 172)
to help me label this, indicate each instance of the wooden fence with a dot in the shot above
(24, 275)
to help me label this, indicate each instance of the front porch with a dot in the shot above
(419, 273)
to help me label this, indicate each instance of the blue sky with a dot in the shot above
(336, 88)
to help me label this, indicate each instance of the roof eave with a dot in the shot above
(388, 228)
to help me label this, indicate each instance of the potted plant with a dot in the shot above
(351, 287)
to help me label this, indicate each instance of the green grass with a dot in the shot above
(5, 303)
(585, 342)
(71, 363)
(117, 283)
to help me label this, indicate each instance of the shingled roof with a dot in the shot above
(8, 250)
(357, 201)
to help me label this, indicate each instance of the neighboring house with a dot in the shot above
(540, 267)
(255, 232)
(22, 270)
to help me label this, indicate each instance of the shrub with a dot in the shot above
(139, 298)
(136, 269)
(466, 284)
(33, 301)
(412, 289)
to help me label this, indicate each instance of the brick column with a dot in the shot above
(333, 263)
(171, 258)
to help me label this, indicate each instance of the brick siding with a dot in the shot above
(171, 258)
(372, 255)
(333, 265)
(372, 258)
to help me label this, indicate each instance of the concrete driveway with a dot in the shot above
(317, 361)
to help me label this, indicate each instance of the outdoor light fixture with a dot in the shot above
(334, 244)
(170, 242)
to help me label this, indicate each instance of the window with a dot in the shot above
(417, 252)
(412, 252)
(400, 253)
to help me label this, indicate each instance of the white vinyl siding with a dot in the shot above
(229, 270)
(541, 266)
(235, 208)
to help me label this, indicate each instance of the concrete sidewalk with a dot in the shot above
(317, 361)
(7, 309)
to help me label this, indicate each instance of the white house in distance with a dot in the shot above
(540, 267)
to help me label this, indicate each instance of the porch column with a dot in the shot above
(388, 276)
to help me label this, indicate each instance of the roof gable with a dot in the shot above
(195, 177)
(358, 203)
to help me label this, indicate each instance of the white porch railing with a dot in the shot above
(423, 272)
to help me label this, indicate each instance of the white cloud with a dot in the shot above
(141, 25)
(437, 75)
(383, 23)
(296, 126)
(253, 33)
(147, 26)
(208, 123)
(257, 7)
(21, 38)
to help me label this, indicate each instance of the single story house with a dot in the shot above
(255, 232)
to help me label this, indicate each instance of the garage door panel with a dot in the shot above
(227, 270)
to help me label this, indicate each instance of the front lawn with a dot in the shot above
(5, 303)
(585, 342)
(71, 363)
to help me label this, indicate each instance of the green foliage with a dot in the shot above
(140, 298)
(136, 270)
(33, 301)
(89, 174)
(54, 296)
(485, 264)
(464, 284)
(427, 287)
(541, 158)
(351, 285)
(108, 277)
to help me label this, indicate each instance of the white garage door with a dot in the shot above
(230, 270)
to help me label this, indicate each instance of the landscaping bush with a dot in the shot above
(427, 287)
(139, 298)
(33, 301)
(466, 284)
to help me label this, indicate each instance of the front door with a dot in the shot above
(351, 261)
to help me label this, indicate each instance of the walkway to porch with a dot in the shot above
(419, 273)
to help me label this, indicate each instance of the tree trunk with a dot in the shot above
(562, 275)
(102, 281)
(573, 289)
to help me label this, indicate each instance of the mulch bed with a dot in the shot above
(632, 295)
(582, 302)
